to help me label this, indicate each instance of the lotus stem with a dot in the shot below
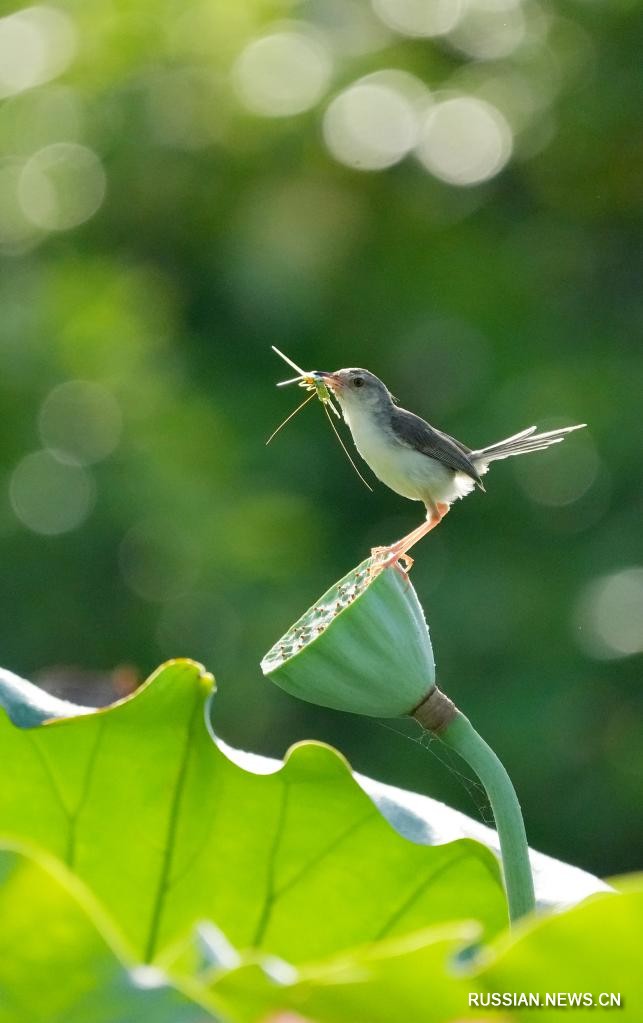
(439, 715)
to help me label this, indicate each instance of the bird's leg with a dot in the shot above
(389, 556)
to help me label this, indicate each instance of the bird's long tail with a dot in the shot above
(521, 444)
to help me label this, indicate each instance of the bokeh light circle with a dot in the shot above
(420, 17)
(609, 616)
(563, 477)
(283, 73)
(48, 496)
(370, 126)
(36, 45)
(489, 33)
(464, 141)
(61, 186)
(404, 84)
(80, 421)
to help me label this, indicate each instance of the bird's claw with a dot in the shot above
(391, 557)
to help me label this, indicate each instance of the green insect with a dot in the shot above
(310, 380)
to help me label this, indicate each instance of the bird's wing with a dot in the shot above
(413, 432)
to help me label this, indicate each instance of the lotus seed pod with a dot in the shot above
(363, 647)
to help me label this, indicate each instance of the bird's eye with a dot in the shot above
(358, 382)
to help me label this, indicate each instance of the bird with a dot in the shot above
(413, 458)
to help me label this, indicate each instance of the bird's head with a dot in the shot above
(357, 390)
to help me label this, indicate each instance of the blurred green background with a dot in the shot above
(447, 193)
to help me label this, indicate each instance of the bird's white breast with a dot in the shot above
(409, 473)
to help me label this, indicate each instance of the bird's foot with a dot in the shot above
(390, 557)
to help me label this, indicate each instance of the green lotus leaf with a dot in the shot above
(60, 959)
(590, 951)
(140, 802)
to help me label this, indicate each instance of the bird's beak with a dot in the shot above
(332, 380)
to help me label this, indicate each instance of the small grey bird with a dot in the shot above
(413, 458)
